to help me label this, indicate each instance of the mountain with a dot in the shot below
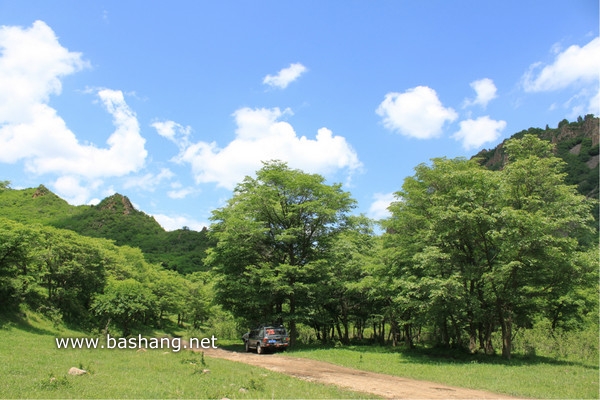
(113, 218)
(575, 142)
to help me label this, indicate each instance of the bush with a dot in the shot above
(541, 340)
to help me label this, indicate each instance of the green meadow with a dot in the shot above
(31, 366)
(522, 376)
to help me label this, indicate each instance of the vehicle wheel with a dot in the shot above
(259, 350)
(247, 345)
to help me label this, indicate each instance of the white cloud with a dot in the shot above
(171, 223)
(285, 76)
(148, 181)
(177, 133)
(415, 113)
(262, 136)
(180, 193)
(594, 104)
(575, 65)
(379, 207)
(474, 133)
(485, 91)
(32, 64)
(70, 189)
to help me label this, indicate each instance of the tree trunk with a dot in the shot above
(339, 330)
(472, 338)
(408, 337)
(506, 338)
(293, 329)
(506, 324)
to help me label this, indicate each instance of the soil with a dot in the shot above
(386, 386)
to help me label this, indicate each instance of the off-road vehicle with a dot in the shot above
(266, 338)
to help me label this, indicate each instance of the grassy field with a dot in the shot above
(533, 377)
(31, 366)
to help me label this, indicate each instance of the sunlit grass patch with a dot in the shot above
(536, 377)
(31, 366)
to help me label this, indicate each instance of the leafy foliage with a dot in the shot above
(274, 238)
(90, 282)
(484, 249)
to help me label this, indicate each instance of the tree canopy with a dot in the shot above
(482, 249)
(274, 238)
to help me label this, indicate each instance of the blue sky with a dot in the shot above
(173, 103)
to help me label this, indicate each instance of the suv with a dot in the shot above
(266, 337)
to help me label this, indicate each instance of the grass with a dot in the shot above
(31, 366)
(533, 376)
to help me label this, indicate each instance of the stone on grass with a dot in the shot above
(77, 371)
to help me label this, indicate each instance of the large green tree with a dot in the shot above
(274, 238)
(476, 249)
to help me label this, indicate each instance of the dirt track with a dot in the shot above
(387, 386)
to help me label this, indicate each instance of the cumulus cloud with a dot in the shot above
(262, 136)
(417, 113)
(148, 181)
(176, 133)
(574, 65)
(70, 189)
(285, 76)
(575, 68)
(379, 207)
(475, 132)
(32, 64)
(485, 91)
(171, 223)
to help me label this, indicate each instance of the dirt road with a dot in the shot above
(387, 386)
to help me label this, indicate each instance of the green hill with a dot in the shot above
(113, 218)
(576, 143)
(38, 205)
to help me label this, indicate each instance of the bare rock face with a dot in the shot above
(117, 202)
(77, 371)
(40, 191)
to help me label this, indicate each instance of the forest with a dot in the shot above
(471, 258)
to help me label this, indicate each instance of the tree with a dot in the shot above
(18, 269)
(438, 247)
(273, 239)
(340, 299)
(127, 303)
(480, 249)
(543, 228)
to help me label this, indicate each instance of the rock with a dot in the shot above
(206, 371)
(77, 371)
(243, 390)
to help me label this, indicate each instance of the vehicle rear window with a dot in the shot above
(275, 331)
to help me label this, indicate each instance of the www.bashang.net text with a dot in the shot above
(139, 342)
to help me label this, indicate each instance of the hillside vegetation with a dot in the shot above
(576, 143)
(114, 218)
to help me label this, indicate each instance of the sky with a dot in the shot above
(173, 103)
